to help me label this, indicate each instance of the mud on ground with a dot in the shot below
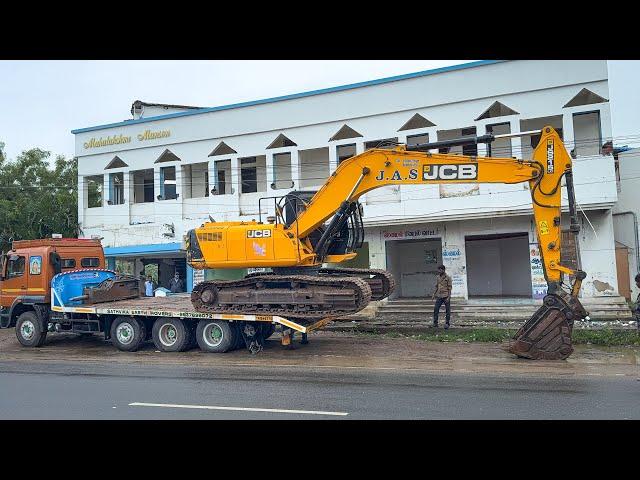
(338, 350)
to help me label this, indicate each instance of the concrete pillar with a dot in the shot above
(270, 173)
(295, 168)
(433, 134)
(454, 257)
(481, 129)
(567, 131)
(333, 158)
(138, 267)
(235, 176)
(128, 196)
(106, 191)
(605, 123)
(213, 180)
(516, 142)
(377, 251)
(179, 182)
(156, 183)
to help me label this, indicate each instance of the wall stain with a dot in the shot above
(601, 286)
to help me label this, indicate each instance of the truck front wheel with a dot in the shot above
(171, 335)
(128, 333)
(29, 330)
(215, 336)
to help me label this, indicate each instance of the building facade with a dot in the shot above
(625, 221)
(144, 182)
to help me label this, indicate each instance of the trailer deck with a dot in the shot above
(177, 306)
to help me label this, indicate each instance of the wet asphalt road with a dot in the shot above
(81, 390)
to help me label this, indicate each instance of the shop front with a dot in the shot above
(481, 263)
(160, 261)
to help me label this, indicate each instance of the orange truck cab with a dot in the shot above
(27, 269)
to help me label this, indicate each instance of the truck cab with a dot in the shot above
(27, 269)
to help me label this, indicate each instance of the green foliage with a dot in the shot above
(124, 266)
(37, 199)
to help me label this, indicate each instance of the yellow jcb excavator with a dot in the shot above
(311, 229)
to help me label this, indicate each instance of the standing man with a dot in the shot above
(148, 287)
(176, 284)
(442, 295)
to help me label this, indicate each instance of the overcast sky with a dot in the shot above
(42, 101)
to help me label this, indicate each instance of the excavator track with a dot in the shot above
(547, 334)
(381, 282)
(304, 297)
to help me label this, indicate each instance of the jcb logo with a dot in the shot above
(550, 156)
(258, 233)
(467, 171)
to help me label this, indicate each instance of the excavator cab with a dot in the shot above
(349, 234)
(293, 203)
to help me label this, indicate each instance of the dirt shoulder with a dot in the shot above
(337, 350)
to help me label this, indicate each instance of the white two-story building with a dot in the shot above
(144, 182)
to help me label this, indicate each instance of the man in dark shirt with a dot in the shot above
(442, 295)
(176, 284)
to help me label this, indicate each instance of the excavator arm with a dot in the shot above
(403, 165)
(548, 333)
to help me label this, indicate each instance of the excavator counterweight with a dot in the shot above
(312, 229)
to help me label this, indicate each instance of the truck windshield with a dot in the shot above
(15, 267)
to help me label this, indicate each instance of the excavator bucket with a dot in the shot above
(119, 287)
(547, 334)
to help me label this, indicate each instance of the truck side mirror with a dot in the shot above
(3, 260)
(54, 259)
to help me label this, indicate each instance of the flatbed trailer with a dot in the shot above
(60, 285)
(171, 322)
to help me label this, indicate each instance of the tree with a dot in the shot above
(37, 199)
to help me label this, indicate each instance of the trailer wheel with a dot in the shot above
(215, 336)
(29, 330)
(171, 335)
(128, 333)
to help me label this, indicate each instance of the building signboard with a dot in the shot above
(411, 234)
(118, 139)
(538, 282)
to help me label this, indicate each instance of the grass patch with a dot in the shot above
(467, 335)
(606, 337)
